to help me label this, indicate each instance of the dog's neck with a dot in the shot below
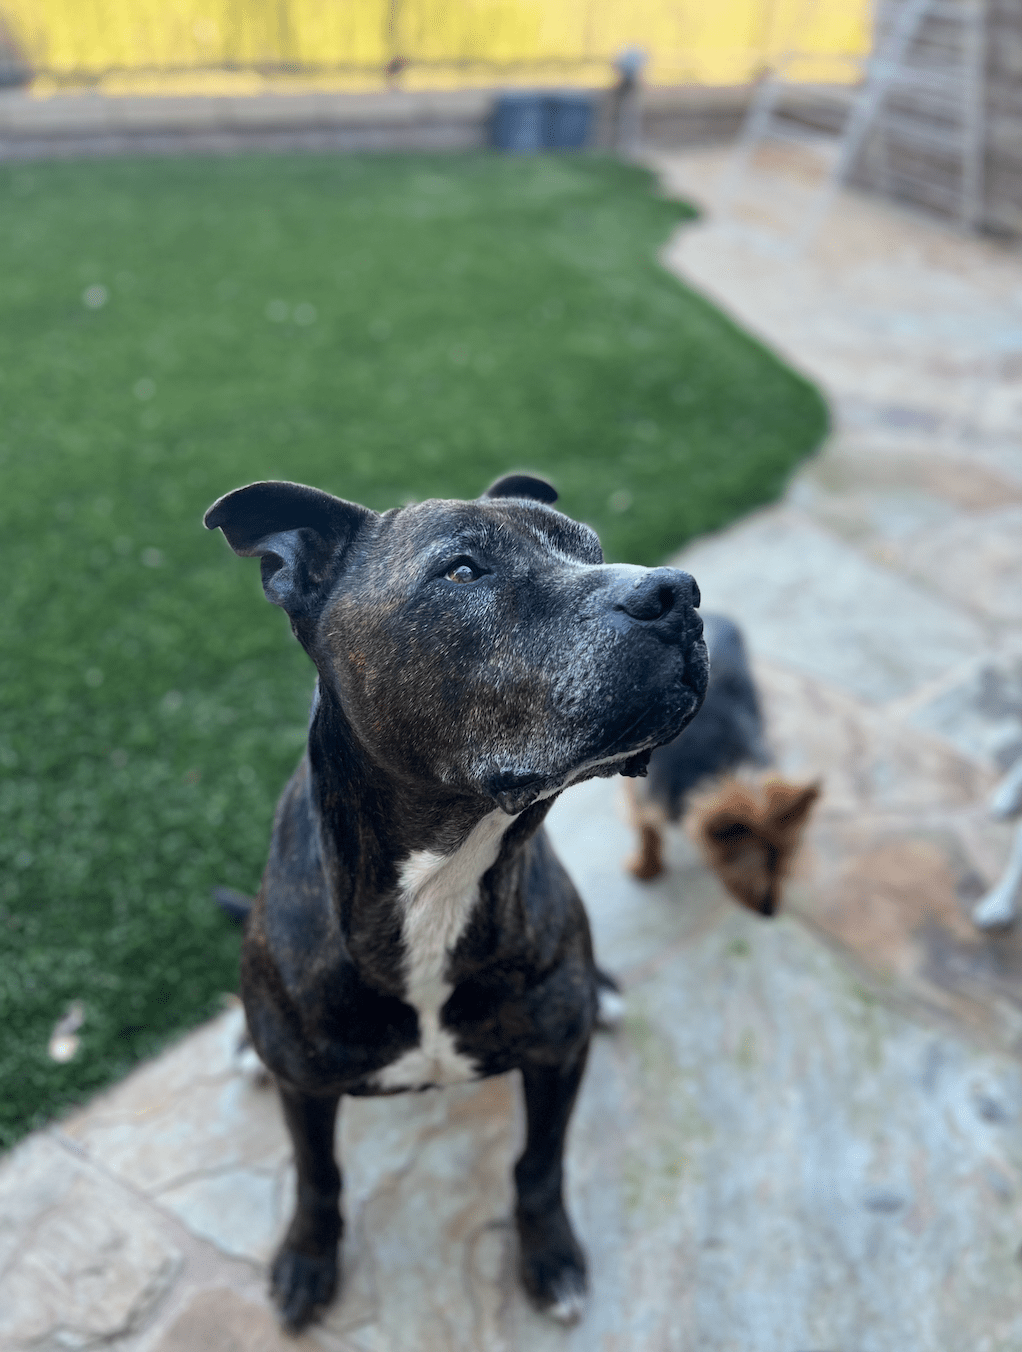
(375, 826)
(407, 866)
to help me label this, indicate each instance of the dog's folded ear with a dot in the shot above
(299, 535)
(522, 486)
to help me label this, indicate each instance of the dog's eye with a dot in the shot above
(463, 571)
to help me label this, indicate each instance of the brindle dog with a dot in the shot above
(414, 927)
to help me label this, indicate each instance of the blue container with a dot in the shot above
(529, 122)
(518, 123)
(567, 122)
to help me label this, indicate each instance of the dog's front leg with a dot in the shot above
(304, 1272)
(552, 1264)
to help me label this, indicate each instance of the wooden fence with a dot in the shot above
(364, 44)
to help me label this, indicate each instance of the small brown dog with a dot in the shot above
(747, 833)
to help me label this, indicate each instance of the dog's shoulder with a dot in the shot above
(293, 917)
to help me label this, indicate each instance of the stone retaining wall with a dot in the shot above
(71, 125)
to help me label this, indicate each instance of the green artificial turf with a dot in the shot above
(383, 327)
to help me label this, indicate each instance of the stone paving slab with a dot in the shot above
(80, 1258)
(888, 311)
(874, 631)
(217, 1319)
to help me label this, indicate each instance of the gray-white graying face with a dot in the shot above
(486, 647)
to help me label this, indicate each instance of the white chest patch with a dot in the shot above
(437, 894)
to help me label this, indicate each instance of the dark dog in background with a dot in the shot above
(748, 834)
(414, 927)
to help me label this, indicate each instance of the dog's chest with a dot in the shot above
(437, 896)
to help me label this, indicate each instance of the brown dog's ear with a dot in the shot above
(522, 486)
(298, 534)
(788, 805)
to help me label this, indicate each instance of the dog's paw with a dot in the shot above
(301, 1286)
(610, 1003)
(569, 1301)
(553, 1271)
(610, 1011)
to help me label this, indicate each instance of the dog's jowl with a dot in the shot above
(414, 927)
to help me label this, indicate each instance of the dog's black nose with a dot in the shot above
(656, 594)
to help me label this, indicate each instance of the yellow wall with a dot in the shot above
(447, 42)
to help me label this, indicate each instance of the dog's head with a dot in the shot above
(749, 837)
(483, 646)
